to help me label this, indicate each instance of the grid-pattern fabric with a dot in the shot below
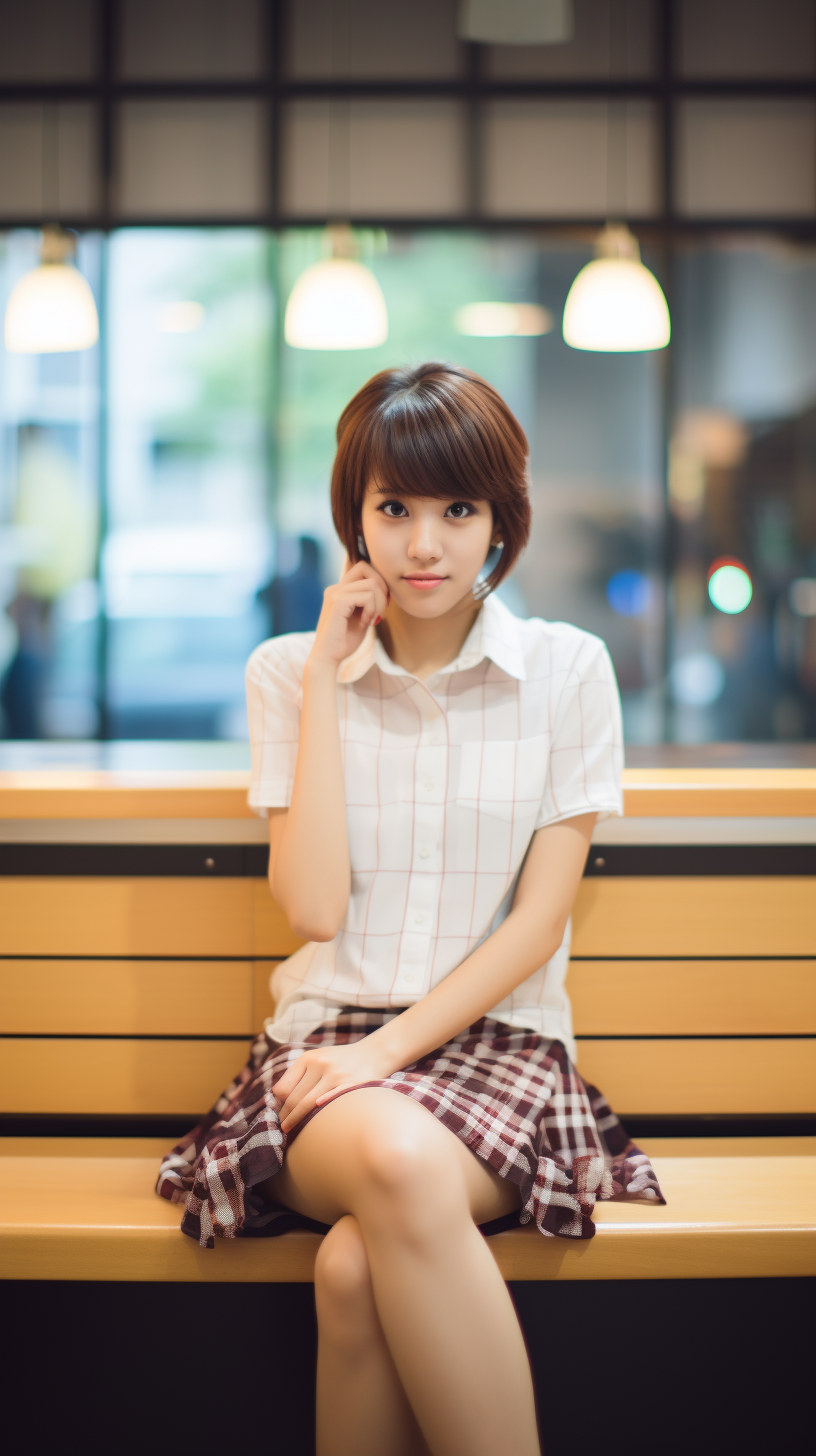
(513, 1098)
(446, 781)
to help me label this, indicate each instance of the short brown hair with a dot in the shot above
(434, 430)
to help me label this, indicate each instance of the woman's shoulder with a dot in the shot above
(282, 658)
(558, 646)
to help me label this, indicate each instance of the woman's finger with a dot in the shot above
(308, 1081)
(324, 1097)
(365, 603)
(362, 571)
(290, 1078)
(305, 1104)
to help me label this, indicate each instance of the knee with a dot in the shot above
(410, 1178)
(343, 1295)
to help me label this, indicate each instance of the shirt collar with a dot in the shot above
(494, 634)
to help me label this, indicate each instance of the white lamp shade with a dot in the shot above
(516, 22)
(616, 305)
(337, 304)
(51, 310)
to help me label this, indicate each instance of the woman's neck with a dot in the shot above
(423, 646)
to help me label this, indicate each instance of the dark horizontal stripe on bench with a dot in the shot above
(251, 860)
(172, 1126)
(187, 861)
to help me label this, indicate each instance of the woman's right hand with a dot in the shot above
(359, 598)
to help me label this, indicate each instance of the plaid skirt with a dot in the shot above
(513, 1097)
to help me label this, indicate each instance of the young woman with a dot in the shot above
(432, 768)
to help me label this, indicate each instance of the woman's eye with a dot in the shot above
(459, 510)
(398, 509)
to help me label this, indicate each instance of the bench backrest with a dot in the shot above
(132, 994)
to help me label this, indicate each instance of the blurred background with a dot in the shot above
(164, 490)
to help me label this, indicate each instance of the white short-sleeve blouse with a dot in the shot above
(447, 780)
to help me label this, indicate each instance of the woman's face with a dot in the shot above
(429, 552)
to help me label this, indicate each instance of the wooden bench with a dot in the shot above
(137, 934)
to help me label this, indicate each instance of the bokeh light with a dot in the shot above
(729, 587)
(629, 593)
(802, 596)
(697, 679)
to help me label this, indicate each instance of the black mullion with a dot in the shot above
(649, 229)
(455, 88)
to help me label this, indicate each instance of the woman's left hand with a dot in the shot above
(320, 1073)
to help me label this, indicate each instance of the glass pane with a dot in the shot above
(367, 39)
(189, 541)
(610, 38)
(210, 39)
(749, 158)
(374, 158)
(552, 158)
(747, 38)
(594, 424)
(48, 157)
(49, 639)
(192, 159)
(47, 40)
(743, 487)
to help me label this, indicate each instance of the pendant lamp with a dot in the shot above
(51, 309)
(336, 304)
(516, 22)
(615, 305)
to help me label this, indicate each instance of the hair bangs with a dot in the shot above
(414, 452)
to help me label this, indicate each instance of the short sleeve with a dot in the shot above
(586, 749)
(274, 698)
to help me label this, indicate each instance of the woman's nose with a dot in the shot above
(424, 546)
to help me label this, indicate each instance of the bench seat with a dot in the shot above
(84, 1208)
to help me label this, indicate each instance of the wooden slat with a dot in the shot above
(98, 1218)
(67, 916)
(690, 1077)
(78, 1075)
(739, 792)
(108, 794)
(111, 794)
(148, 1077)
(264, 1005)
(272, 935)
(695, 916)
(702, 998)
(127, 998)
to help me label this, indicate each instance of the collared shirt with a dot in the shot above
(446, 781)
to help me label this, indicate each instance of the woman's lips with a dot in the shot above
(423, 583)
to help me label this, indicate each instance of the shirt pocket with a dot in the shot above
(504, 778)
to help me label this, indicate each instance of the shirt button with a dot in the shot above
(420, 918)
(410, 977)
(424, 852)
(429, 783)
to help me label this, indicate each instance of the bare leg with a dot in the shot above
(444, 1309)
(362, 1409)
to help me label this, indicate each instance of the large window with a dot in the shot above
(163, 497)
(164, 512)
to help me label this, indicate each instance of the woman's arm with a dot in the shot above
(309, 869)
(526, 940)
